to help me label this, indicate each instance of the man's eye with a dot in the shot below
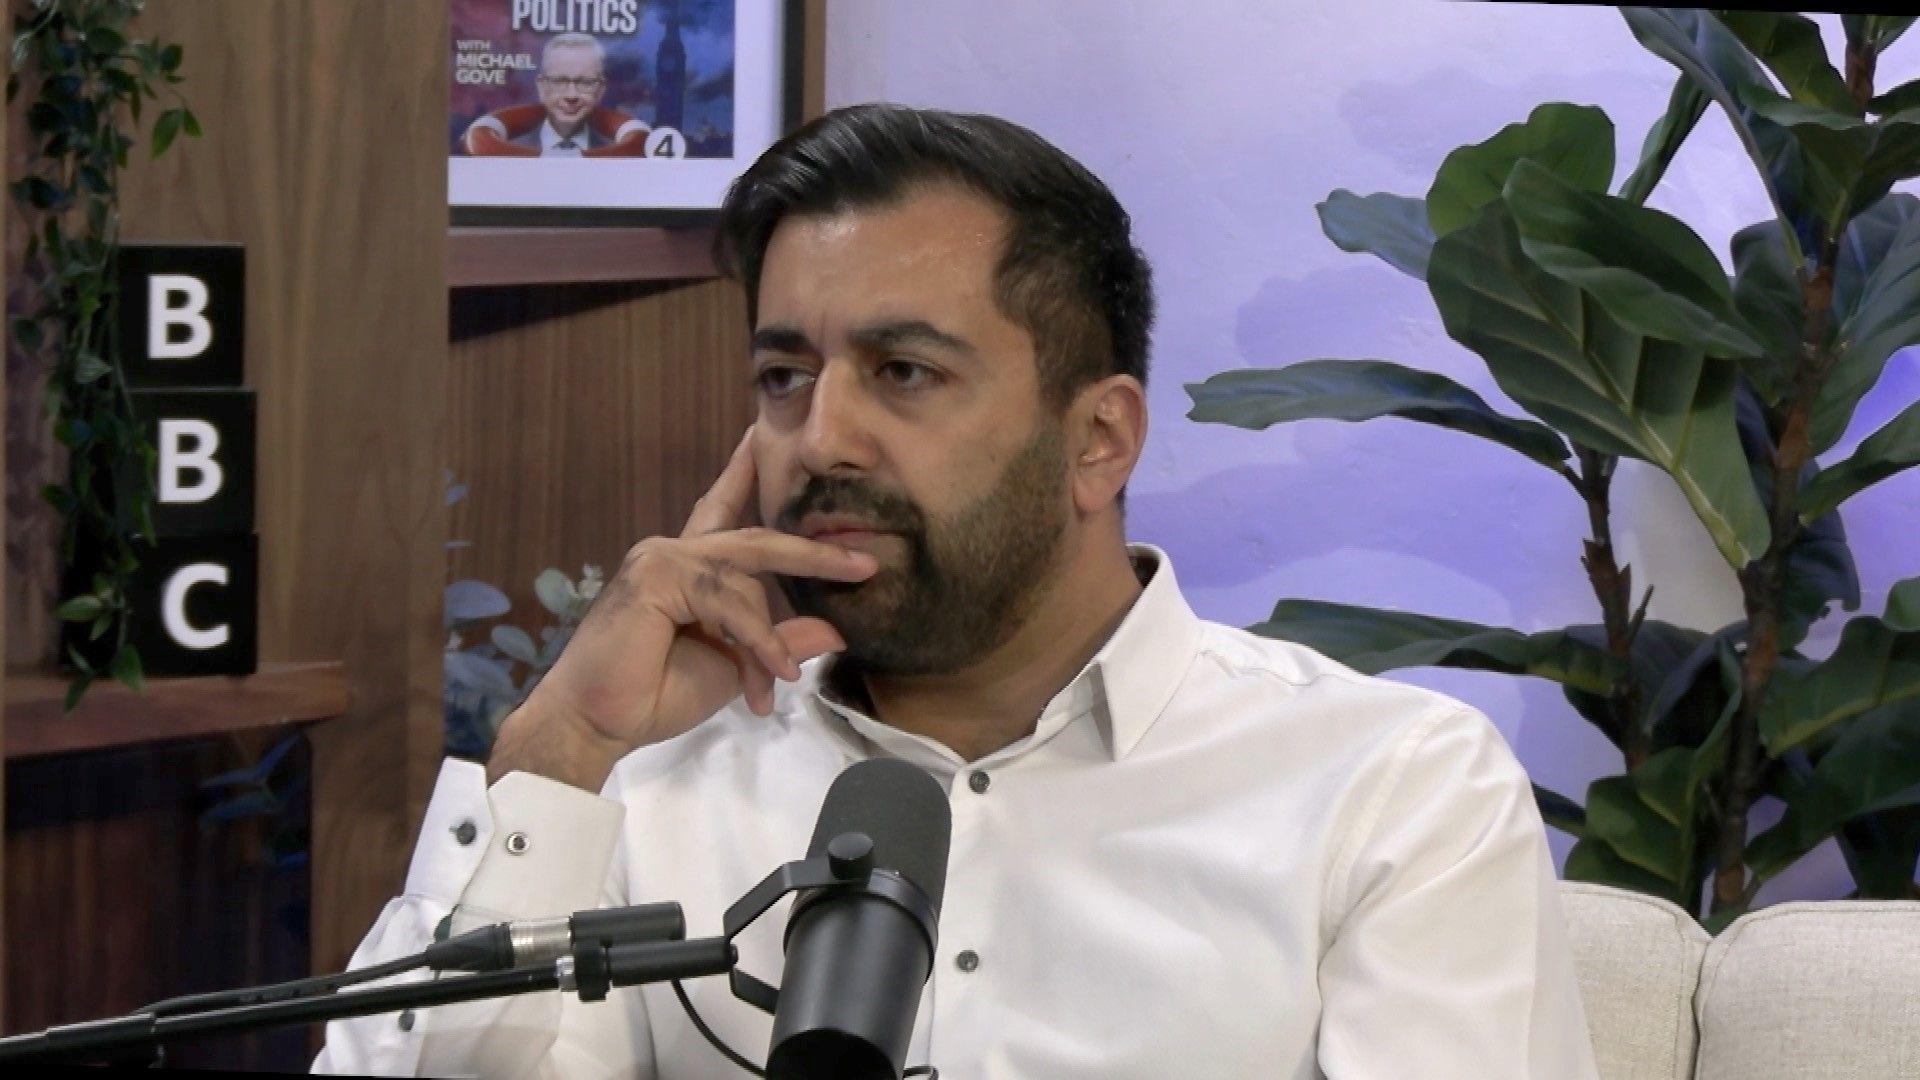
(907, 375)
(778, 382)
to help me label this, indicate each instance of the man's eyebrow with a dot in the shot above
(782, 339)
(879, 337)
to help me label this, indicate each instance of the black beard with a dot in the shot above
(968, 583)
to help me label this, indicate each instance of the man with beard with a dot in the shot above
(1179, 850)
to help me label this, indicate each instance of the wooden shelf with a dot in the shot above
(112, 715)
(479, 255)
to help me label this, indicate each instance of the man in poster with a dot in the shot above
(569, 121)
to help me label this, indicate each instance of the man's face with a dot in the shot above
(900, 413)
(571, 84)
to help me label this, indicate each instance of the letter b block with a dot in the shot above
(205, 440)
(182, 314)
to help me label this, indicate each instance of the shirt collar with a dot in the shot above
(550, 137)
(1125, 686)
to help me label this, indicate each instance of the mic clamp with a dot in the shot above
(500, 946)
(846, 866)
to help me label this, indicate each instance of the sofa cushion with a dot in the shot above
(1813, 991)
(1638, 959)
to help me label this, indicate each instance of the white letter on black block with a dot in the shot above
(173, 606)
(186, 444)
(163, 315)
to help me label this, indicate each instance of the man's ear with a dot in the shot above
(1108, 426)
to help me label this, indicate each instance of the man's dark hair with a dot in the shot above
(1070, 275)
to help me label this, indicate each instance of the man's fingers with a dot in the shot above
(720, 508)
(756, 684)
(736, 606)
(768, 551)
(807, 637)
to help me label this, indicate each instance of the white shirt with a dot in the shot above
(1217, 855)
(550, 140)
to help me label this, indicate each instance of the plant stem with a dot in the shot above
(1762, 581)
(1613, 588)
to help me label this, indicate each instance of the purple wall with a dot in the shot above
(1220, 125)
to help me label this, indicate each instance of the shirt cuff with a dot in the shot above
(455, 832)
(544, 849)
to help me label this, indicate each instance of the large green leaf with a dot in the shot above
(1684, 107)
(1874, 666)
(1903, 606)
(1658, 648)
(1574, 142)
(1650, 818)
(1709, 54)
(1874, 765)
(1767, 293)
(1647, 268)
(1790, 46)
(1834, 148)
(1819, 570)
(1879, 313)
(1683, 693)
(1892, 449)
(1592, 859)
(1363, 390)
(1899, 99)
(1565, 360)
(1847, 163)
(1873, 33)
(1882, 850)
(1869, 239)
(1636, 831)
(1560, 812)
(1373, 640)
(1393, 227)
(1667, 668)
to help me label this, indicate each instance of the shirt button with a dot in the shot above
(978, 781)
(465, 832)
(406, 1020)
(517, 843)
(967, 961)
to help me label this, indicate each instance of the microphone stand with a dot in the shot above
(590, 971)
(592, 967)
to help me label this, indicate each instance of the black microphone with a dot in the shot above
(858, 955)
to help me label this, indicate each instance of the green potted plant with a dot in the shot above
(1621, 334)
(88, 80)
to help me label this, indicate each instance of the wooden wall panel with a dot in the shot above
(131, 900)
(325, 155)
(585, 417)
(6, 229)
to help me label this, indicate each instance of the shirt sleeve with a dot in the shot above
(527, 848)
(1450, 959)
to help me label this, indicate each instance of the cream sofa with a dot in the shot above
(1800, 991)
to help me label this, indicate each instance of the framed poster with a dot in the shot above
(614, 112)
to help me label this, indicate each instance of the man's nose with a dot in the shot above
(837, 435)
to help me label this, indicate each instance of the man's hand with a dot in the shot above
(680, 630)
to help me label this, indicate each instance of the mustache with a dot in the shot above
(885, 510)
